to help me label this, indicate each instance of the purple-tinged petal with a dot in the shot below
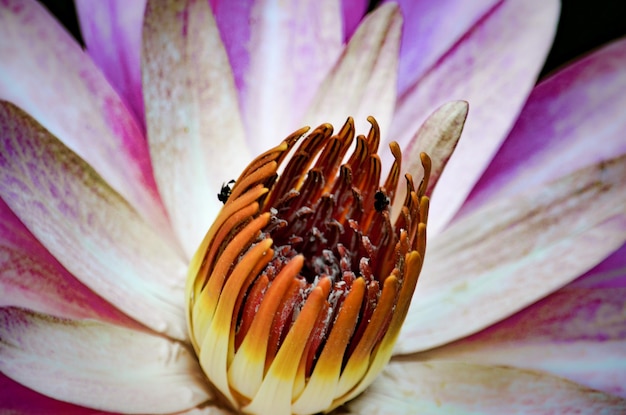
(233, 22)
(363, 82)
(410, 387)
(195, 132)
(493, 68)
(572, 119)
(437, 137)
(279, 54)
(292, 47)
(514, 251)
(87, 226)
(16, 399)
(46, 73)
(577, 333)
(99, 365)
(431, 28)
(205, 410)
(32, 278)
(111, 30)
(610, 273)
(353, 12)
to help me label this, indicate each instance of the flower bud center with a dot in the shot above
(303, 282)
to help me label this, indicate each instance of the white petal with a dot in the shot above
(576, 333)
(88, 227)
(99, 365)
(194, 129)
(412, 387)
(515, 251)
(292, 47)
(363, 82)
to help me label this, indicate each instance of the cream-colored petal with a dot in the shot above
(292, 47)
(437, 137)
(363, 82)
(514, 251)
(45, 72)
(16, 399)
(414, 387)
(99, 365)
(88, 227)
(32, 278)
(577, 333)
(194, 128)
(494, 67)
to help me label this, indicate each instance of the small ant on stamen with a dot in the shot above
(224, 194)
(381, 201)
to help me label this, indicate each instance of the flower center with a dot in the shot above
(298, 292)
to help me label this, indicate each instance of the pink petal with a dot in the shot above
(573, 119)
(16, 399)
(111, 30)
(352, 11)
(410, 387)
(32, 278)
(576, 333)
(514, 251)
(292, 47)
(493, 67)
(431, 29)
(45, 72)
(363, 82)
(195, 132)
(88, 227)
(99, 365)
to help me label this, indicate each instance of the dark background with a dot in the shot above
(584, 26)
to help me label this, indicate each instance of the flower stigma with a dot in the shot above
(297, 293)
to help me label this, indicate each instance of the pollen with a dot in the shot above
(298, 291)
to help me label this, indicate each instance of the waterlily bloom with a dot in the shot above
(110, 165)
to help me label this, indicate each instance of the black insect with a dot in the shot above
(381, 201)
(224, 194)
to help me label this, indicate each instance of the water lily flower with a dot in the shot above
(111, 161)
